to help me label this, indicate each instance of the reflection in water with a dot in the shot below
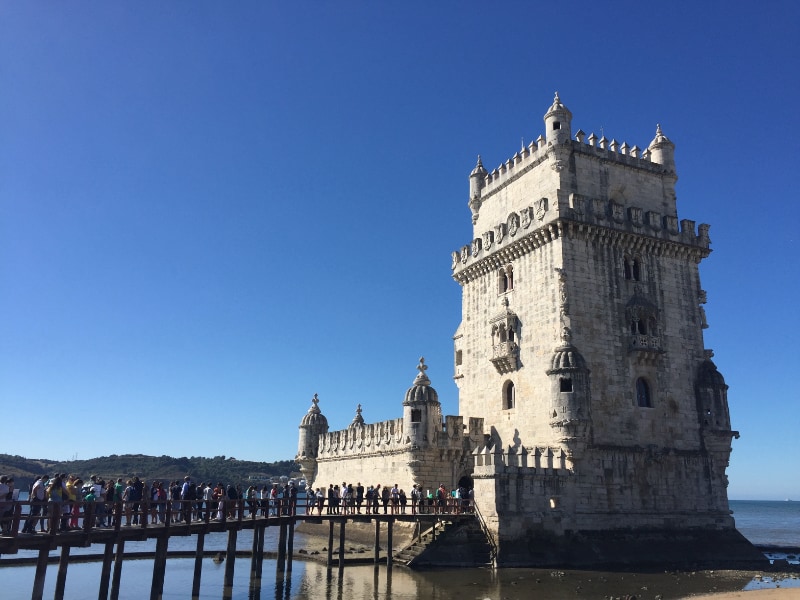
(312, 580)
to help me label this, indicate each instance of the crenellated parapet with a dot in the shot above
(364, 439)
(491, 459)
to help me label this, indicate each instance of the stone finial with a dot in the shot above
(314, 404)
(580, 135)
(358, 420)
(479, 170)
(422, 378)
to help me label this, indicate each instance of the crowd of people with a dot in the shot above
(351, 499)
(64, 502)
(58, 502)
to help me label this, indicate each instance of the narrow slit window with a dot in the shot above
(643, 398)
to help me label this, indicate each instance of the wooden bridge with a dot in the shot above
(234, 519)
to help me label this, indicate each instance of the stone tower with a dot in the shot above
(581, 347)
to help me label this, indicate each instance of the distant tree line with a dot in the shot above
(148, 468)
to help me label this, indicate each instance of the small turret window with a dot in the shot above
(643, 397)
(566, 384)
(509, 395)
(459, 357)
(556, 125)
(416, 415)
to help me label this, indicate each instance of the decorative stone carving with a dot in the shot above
(525, 216)
(488, 239)
(617, 212)
(476, 247)
(500, 232)
(513, 224)
(541, 208)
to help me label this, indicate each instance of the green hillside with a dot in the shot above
(148, 468)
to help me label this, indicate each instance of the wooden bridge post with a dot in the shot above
(61, 578)
(257, 556)
(230, 563)
(377, 541)
(117, 570)
(105, 573)
(260, 563)
(198, 564)
(282, 549)
(254, 556)
(159, 567)
(290, 550)
(330, 544)
(341, 544)
(389, 549)
(41, 571)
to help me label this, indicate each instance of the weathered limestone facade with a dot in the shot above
(595, 407)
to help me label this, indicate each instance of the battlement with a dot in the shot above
(389, 436)
(368, 438)
(491, 459)
(536, 152)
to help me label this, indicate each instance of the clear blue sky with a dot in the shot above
(211, 211)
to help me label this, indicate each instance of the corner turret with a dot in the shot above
(662, 150)
(312, 426)
(476, 181)
(558, 123)
(422, 412)
(571, 402)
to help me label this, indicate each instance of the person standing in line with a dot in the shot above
(37, 497)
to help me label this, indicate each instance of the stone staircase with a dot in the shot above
(455, 544)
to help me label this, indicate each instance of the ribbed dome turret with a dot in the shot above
(709, 376)
(421, 391)
(314, 416)
(660, 139)
(567, 358)
(479, 170)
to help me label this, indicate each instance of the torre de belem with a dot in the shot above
(593, 424)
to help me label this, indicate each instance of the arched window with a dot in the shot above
(509, 397)
(632, 268)
(643, 397)
(506, 279)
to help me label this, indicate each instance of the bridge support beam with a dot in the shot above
(159, 568)
(41, 571)
(61, 578)
(198, 564)
(117, 570)
(230, 563)
(341, 544)
(377, 542)
(105, 573)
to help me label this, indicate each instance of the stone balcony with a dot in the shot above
(505, 356)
